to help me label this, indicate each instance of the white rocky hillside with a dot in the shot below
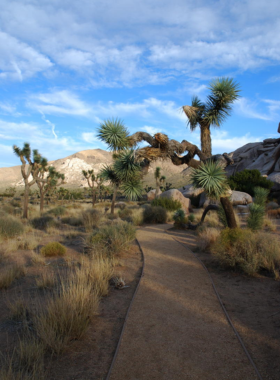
(73, 165)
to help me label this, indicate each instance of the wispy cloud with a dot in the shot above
(249, 109)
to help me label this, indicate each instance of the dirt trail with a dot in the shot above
(176, 328)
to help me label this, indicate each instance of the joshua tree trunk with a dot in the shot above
(227, 206)
(116, 188)
(93, 197)
(205, 138)
(25, 201)
(42, 199)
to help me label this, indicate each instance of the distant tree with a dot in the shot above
(159, 180)
(223, 93)
(30, 172)
(48, 178)
(94, 182)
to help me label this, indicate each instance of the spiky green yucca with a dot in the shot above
(211, 177)
(256, 217)
(261, 195)
(114, 133)
(223, 93)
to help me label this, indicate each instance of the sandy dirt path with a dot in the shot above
(176, 328)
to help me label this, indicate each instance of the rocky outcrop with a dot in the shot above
(190, 191)
(236, 197)
(152, 194)
(178, 196)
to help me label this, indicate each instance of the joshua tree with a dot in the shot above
(125, 172)
(92, 179)
(30, 173)
(212, 178)
(159, 180)
(47, 184)
(223, 92)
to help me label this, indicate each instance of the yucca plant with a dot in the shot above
(223, 93)
(159, 180)
(261, 195)
(212, 178)
(114, 133)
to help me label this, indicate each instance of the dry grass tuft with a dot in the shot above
(9, 274)
(47, 280)
(37, 259)
(207, 237)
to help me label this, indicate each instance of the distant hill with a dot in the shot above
(95, 159)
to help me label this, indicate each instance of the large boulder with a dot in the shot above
(275, 178)
(178, 196)
(240, 198)
(236, 197)
(152, 194)
(190, 191)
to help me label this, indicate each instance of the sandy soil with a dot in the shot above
(176, 328)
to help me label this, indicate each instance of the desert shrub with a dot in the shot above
(112, 216)
(247, 180)
(191, 218)
(167, 203)
(57, 211)
(269, 225)
(91, 219)
(207, 237)
(46, 280)
(10, 227)
(15, 203)
(179, 218)
(136, 218)
(256, 217)
(8, 209)
(124, 213)
(72, 221)
(249, 251)
(43, 222)
(53, 249)
(114, 237)
(156, 214)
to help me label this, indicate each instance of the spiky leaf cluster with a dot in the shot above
(218, 105)
(114, 133)
(211, 177)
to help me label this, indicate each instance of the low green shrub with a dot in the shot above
(114, 237)
(72, 221)
(179, 218)
(57, 211)
(156, 214)
(9, 209)
(53, 249)
(10, 226)
(15, 203)
(43, 222)
(248, 251)
(247, 180)
(167, 203)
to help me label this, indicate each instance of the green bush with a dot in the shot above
(53, 249)
(179, 218)
(249, 251)
(114, 237)
(15, 203)
(247, 180)
(72, 221)
(57, 211)
(9, 209)
(156, 214)
(10, 227)
(43, 222)
(167, 203)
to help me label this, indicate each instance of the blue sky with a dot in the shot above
(65, 66)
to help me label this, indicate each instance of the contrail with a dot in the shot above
(48, 122)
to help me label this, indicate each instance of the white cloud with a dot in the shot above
(222, 142)
(18, 60)
(89, 137)
(151, 130)
(249, 109)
